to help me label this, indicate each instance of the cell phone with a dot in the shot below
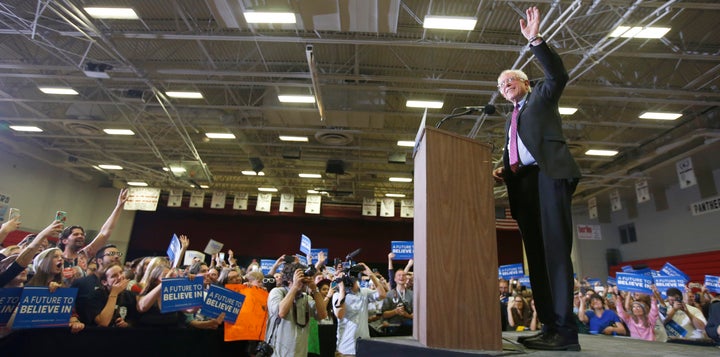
(222, 256)
(14, 212)
(334, 284)
(61, 216)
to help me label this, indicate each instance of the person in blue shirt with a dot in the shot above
(599, 319)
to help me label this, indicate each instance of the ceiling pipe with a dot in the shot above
(315, 81)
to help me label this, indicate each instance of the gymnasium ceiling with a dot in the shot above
(363, 59)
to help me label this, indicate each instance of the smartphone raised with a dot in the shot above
(14, 212)
(61, 216)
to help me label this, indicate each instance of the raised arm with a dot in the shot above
(108, 226)
(9, 226)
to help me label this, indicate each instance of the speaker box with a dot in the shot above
(257, 164)
(335, 167)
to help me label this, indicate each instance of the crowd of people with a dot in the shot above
(313, 309)
(692, 317)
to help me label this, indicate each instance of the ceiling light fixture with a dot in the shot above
(220, 135)
(567, 110)
(119, 132)
(177, 169)
(406, 143)
(424, 104)
(252, 173)
(58, 90)
(595, 152)
(267, 189)
(303, 139)
(450, 23)
(660, 116)
(310, 175)
(400, 195)
(26, 128)
(639, 32)
(204, 186)
(110, 167)
(260, 17)
(137, 183)
(184, 95)
(400, 179)
(292, 98)
(114, 13)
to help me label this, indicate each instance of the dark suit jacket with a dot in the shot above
(539, 122)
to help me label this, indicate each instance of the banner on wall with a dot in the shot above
(407, 208)
(642, 191)
(312, 204)
(142, 199)
(369, 207)
(264, 201)
(287, 202)
(590, 232)
(592, 208)
(387, 207)
(240, 202)
(197, 199)
(175, 198)
(686, 173)
(705, 206)
(218, 199)
(615, 202)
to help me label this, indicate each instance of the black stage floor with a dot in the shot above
(592, 345)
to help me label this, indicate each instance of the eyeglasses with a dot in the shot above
(268, 280)
(113, 254)
(506, 82)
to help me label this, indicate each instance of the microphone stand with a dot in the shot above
(450, 116)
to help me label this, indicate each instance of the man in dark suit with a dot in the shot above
(541, 176)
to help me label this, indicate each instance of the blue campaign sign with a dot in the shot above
(611, 281)
(670, 270)
(39, 307)
(315, 252)
(181, 293)
(627, 269)
(666, 282)
(219, 300)
(593, 281)
(305, 244)
(9, 299)
(632, 282)
(266, 265)
(525, 281)
(511, 271)
(712, 283)
(302, 259)
(174, 248)
(404, 250)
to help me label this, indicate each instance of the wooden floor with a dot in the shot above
(592, 345)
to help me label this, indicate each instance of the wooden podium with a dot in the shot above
(456, 266)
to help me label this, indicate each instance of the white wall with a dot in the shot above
(39, 190)
(660, 233)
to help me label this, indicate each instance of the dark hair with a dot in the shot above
(673, 292)
(289, 272)
(101, 252)
(66, 233)
(597, 297)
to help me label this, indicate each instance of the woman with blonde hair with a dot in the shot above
(641, 319)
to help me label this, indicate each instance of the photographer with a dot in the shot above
(350, 305)
(290, 307)
(397, 307)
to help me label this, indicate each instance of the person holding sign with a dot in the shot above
(290, 306)
(641, 319)
(541, 176)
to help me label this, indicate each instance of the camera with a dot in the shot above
(310, 271)
(264, 349)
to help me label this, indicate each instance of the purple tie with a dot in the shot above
(514, 162)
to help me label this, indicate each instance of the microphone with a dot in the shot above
(486, 109)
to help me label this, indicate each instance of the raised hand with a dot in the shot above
(531, 27)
